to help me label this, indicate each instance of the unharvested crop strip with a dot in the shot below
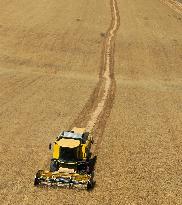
(97, 110)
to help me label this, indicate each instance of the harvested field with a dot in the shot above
(51, 61)
(176, 5)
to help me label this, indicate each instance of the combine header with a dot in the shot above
(72, 164)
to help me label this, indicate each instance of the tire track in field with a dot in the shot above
(173, 4)
(97, 110)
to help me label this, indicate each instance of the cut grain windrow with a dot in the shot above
(108, 58)
(98, 107)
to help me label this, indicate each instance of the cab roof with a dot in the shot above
(71, 143)
(78, 130)
(76, 134)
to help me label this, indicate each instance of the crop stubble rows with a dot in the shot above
(173, 4)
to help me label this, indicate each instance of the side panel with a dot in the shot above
(56, 151)
(84, 155)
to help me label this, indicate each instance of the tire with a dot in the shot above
(53, 166)
(90, 185)
(36, 182)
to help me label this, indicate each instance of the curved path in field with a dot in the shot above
(97, 110)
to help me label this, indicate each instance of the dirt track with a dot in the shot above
(48, 71)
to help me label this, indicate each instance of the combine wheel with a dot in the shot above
(90, 185)
(53, 166)
(36, 181)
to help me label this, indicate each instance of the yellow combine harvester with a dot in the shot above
(72, 164)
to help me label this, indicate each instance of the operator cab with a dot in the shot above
(82, 137)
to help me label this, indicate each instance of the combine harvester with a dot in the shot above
(72, 164)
